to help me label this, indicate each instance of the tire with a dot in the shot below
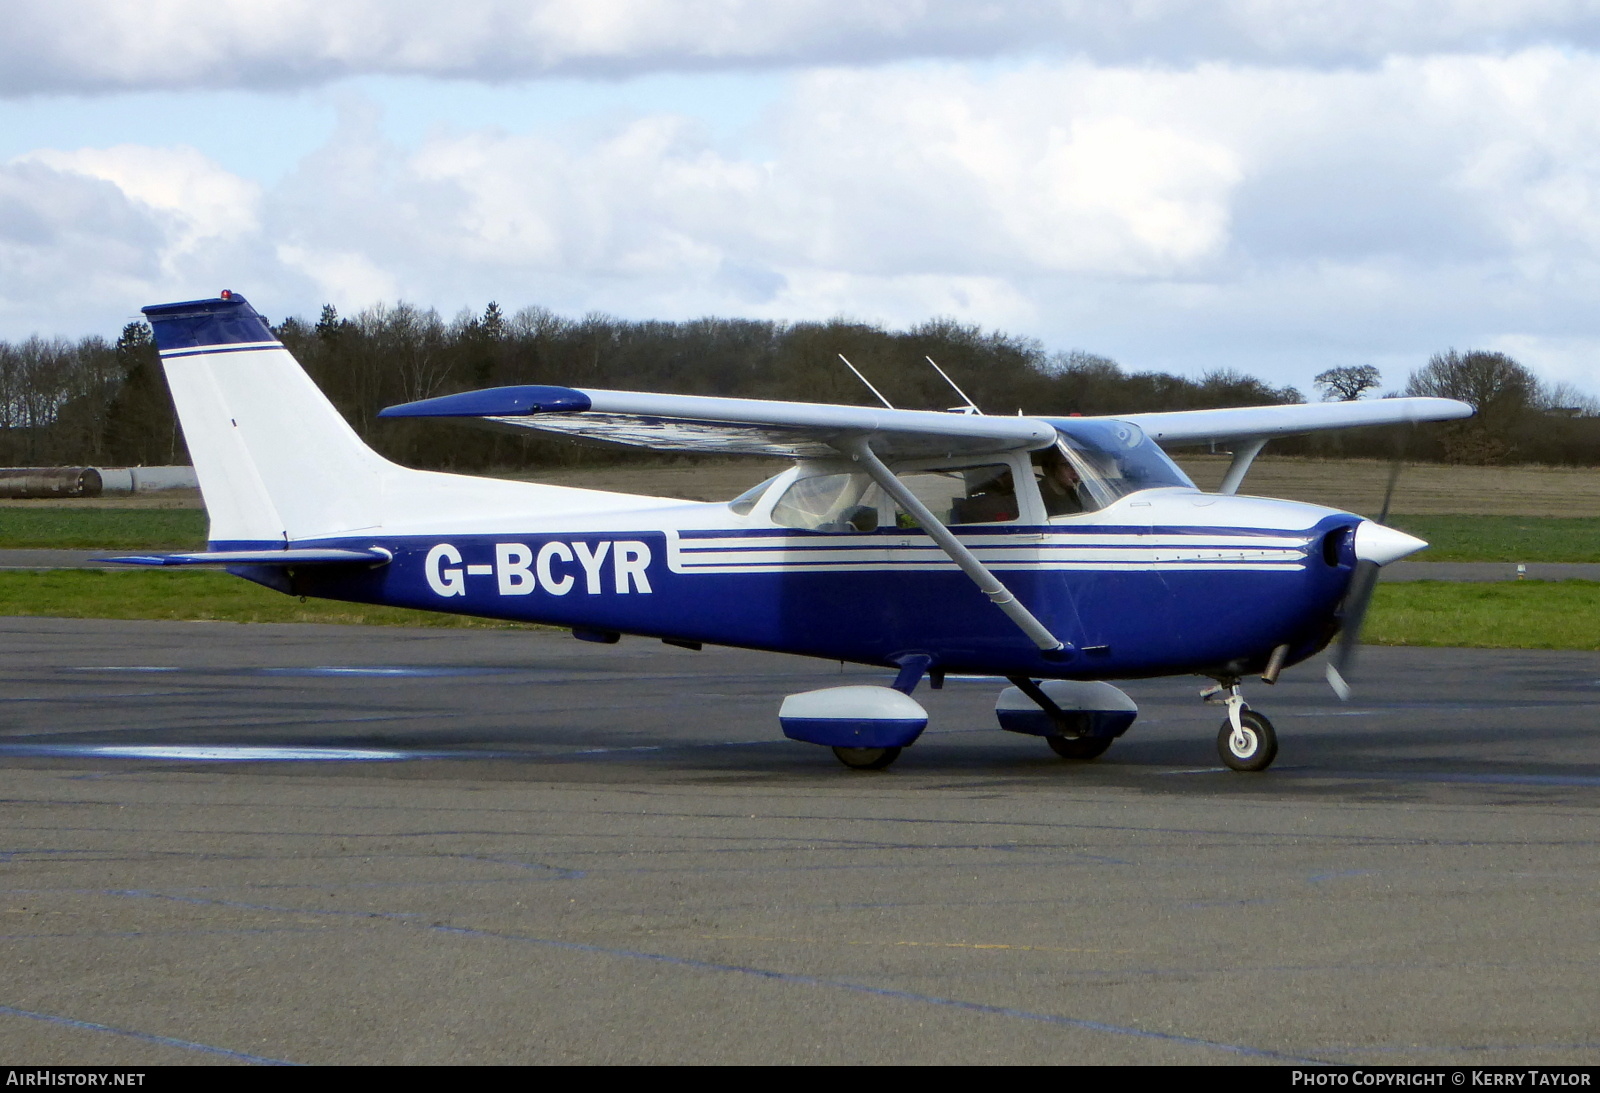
(1081, 748)
(1260, 740)
(866, 758)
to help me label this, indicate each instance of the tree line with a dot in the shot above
(99, 403)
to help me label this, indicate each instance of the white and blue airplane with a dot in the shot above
(1058, 553)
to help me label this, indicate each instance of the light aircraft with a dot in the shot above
(1058, 553)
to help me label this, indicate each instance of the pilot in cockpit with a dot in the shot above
(1058, 483)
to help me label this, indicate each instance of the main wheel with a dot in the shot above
(1254, 748)
(1079, 747)
(866, 758)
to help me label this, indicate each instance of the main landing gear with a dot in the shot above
(866, 758)
(1082, 748)
(1247, 740)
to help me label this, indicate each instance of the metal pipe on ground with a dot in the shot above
(38, 482)
(147, 479)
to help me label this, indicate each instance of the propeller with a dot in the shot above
(1376, 545)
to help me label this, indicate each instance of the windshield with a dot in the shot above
(1114, 459)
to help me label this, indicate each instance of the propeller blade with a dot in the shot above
(1356, 601)
(1358, 596)
(1388, 493)
(1336, 681)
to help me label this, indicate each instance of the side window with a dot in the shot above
(747, 500)
(1061, 485)
(829, 502)
(966, 495)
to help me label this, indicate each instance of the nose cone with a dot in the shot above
(1382, 545)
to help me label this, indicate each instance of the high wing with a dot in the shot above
(802, 430)
(734, 426)
(1264, 422)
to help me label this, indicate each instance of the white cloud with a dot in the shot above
(66, 237)
(107, 45)
(87, 236)
(1278, 221)
(339, 275)
(199, 202)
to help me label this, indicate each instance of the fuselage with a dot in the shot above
(1161, 581)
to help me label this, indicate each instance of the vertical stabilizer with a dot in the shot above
(275, 460)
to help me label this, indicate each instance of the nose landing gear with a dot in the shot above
(1247, 740)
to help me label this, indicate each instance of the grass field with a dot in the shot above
(1506, 615)
(1358, 485)
(1499, 615)
(101, 528)
(1504, 538)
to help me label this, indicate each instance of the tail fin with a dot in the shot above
(275, 460)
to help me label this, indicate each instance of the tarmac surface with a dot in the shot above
(319, 844)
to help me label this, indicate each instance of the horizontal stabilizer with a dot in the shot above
(310, 556)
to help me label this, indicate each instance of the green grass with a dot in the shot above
(1505, 538)
(1497, 615)
(1503, 615)
(101, 529)
(191, 595)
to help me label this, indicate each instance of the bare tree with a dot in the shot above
(1498, 388)
(1347, 383)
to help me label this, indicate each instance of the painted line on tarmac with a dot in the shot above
(1460, 777)
(234, 753)
(1422, 1049)
(885, 992)
(147, 1037)
(319, 671)
(410, 919)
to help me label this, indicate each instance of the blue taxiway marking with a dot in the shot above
(410, 919)
(147, 1037)
(883, 992)
(230, 753)
(323, 670)
(1507, 778)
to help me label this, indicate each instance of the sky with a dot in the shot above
(1274, 186)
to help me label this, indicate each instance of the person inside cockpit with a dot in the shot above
(1058, 483)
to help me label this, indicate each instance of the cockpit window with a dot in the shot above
(829, 502)
(852, 502)
(747, 500)
(1096, 462)
(984, 494)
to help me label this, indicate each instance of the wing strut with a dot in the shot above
(1244, 454)
(859, 450)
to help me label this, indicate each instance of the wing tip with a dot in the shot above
(495, 402)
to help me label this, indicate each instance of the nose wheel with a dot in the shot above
(1251, 745)
(1247, 740)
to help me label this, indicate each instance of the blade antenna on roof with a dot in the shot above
(866, 381)
(970, 407)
